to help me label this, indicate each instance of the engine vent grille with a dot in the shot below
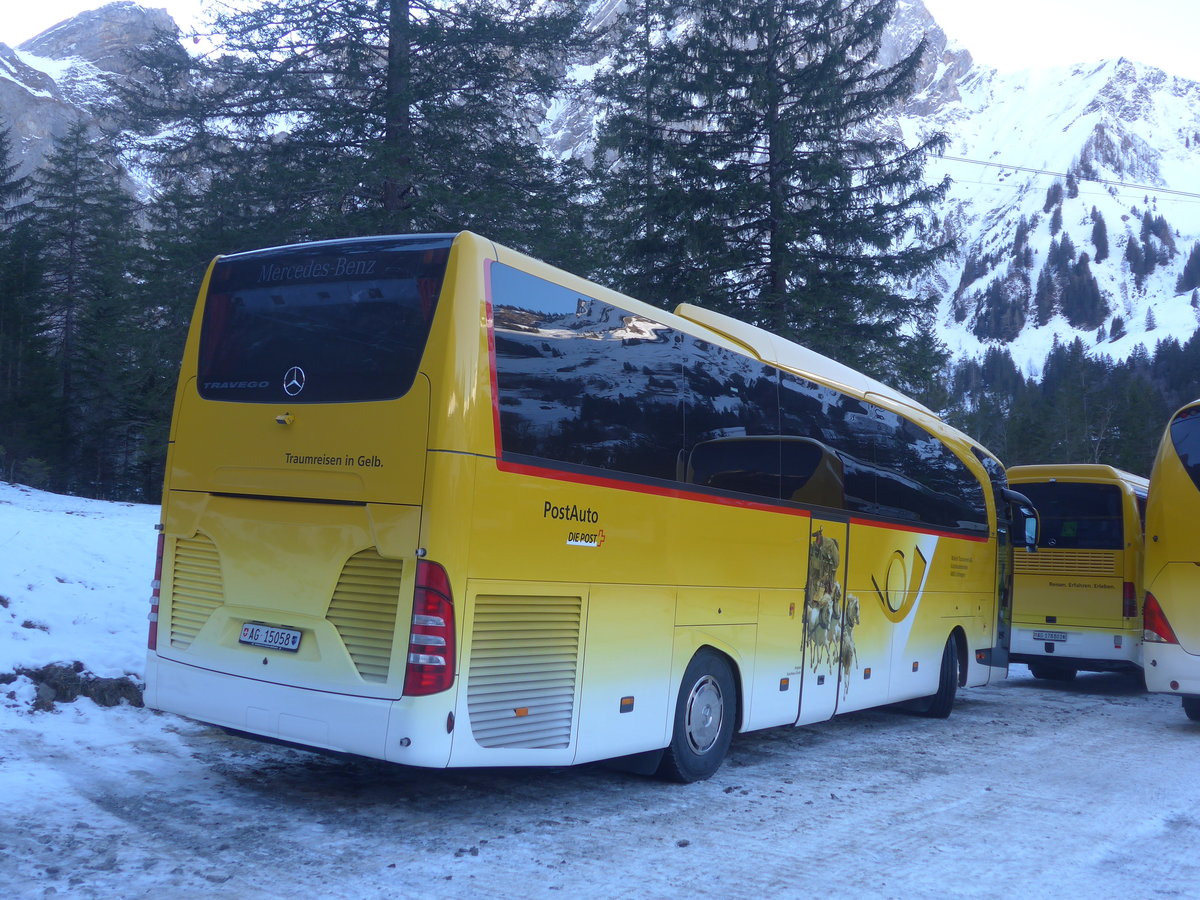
(363, 610)
(196, 588)
(1066, 562)
(524, 659)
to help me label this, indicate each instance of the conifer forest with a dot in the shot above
(732, 165)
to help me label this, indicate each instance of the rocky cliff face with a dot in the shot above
(70, 73)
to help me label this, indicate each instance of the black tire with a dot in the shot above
(1191, 708)
(941, 704)
(1052, 672)
(704, 720)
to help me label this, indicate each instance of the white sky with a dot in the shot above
(1006, 34)
(1023, 34)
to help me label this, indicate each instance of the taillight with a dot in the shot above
(155, 594)
(1129, 602)
(1156, 628)
(431, 638)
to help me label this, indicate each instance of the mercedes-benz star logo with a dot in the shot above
(293, 381)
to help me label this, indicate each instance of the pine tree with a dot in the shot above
(27, 402)
(1056, 219)
(1082, 302)
(1136, 259)
(84, 221)
(367, 117)
(1001, 317)
(1020, 239)
(13, 187)
(1189, 278)
(1045, 296)
(655, 251)
(1054, 196)
(784, 201)
(1099, 236)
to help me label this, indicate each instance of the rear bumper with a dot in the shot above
(1170, 664)
(366, 726)
(1083, 646)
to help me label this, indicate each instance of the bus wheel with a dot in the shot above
(939, 705)
(1191, 708)
(704, 719)
(1052, 672)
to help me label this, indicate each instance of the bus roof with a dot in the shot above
(1083, 472)
(771, 348)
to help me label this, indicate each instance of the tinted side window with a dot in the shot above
(936, 486)
(731, 421)
(1185, 436)
(891, 467)
(841, 426)
(583, 382)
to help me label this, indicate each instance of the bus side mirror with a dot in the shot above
(1032, 526)
(1024, 517)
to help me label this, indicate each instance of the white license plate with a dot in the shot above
(1057, 636)
(274, 638)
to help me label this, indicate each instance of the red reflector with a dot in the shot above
(1155, 626)
(155, 593)
(1129, 602)
(431, 638)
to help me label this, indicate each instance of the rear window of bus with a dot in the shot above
(1078, 516)
(320, 323)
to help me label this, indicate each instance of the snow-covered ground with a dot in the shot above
(1089, 789)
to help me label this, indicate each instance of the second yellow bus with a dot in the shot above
(1075, 601)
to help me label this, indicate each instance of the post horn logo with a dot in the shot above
(293, 381)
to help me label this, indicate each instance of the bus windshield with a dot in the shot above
(1078, 516)
(322, 323)
(1185, 435)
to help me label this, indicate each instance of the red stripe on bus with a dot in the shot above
(912, 529)
(624, 485)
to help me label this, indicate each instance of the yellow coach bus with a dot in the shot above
(1172, 608)
(432, 501)
(1075, 601)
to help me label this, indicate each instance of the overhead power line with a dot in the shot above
(1106, 181)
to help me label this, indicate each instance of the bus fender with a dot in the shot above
(689, 644)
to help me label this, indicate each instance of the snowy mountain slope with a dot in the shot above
(1129, 133)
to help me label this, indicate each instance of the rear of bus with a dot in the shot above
(294, 600)
(1172, 608)
(1075, 601)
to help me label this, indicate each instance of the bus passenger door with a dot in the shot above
(824, 619)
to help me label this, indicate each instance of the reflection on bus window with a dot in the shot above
(583, 383)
